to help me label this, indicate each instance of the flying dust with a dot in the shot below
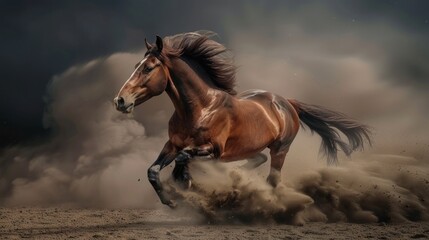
(383, 188)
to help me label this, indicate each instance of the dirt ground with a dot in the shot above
(71, 223)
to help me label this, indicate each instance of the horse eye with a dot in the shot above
(147, 69)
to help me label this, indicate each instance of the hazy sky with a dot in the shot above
(40, 40)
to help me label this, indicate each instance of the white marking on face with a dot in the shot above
(132, 98)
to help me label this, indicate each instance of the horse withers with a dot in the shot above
(211, 120)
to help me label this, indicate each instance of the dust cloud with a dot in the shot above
(226, 193)
(96, 157)
(381, 188)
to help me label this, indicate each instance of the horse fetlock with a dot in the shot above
(153, 173)
(274, 178)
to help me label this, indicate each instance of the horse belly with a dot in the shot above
(248, 140)
(236, 150)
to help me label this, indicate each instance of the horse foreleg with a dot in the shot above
(166, 156)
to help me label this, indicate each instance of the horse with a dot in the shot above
(212, 121)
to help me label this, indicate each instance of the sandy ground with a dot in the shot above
(70, 223)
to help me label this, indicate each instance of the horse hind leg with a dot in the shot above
(255, 161)
(278, 154)
(182, 176)
(180, 172)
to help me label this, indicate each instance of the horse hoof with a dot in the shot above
(189, 184)
(168, 202)
(184, 184)
(273, 180)
(172, 204)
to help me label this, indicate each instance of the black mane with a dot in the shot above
(211, 55)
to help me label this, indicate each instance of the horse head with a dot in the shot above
(149, 79)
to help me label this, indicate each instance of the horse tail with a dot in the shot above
(329, 124)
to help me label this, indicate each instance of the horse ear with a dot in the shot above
(148, 46)
(159, 43)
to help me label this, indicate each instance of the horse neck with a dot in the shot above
(186, 89)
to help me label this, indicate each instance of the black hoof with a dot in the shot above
(172, 204)
(185, 184)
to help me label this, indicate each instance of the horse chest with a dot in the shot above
(203, 128)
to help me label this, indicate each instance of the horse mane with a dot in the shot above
(215, 58)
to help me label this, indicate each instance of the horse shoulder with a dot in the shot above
(176, 131)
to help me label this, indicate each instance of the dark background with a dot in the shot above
(42, 38)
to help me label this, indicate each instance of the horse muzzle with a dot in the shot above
(122, 106)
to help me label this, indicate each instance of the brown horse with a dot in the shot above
(211, 121)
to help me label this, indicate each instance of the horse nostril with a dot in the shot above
(119, 102)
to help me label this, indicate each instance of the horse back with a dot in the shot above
(282, 111)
